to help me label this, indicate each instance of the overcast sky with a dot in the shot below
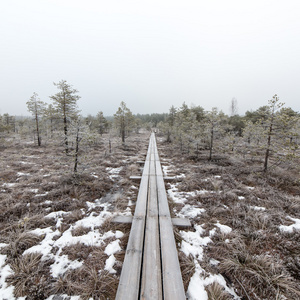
(150, 54)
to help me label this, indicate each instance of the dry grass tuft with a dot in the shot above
(80, 230)
(88, 282)
(187, 267)
(30, 277)
(81, 251)
(216, 292)
(264, 276)
(74, 216)
(19, 242)
(256, 257)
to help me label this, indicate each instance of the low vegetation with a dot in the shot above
(56, 237)
(64, 177)
(249, 218)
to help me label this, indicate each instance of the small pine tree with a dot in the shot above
(213, 127)
(37, 109)
(65, 103)
(124, 120)
(102, 123)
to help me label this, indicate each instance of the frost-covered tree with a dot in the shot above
(124, 120)
(183, 127)
(102, 123)
(51, 116)
(233, 107)
(2, 127)
(272, 129)
(9, 123)
(214, 128)
(168, 126)
(65, 103)
(37, 109)
(270, 124)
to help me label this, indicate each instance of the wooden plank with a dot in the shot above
(181, 222)
(169, 178)
(151, 267)
(135, 178)
(151, 287)
(171, 274)
(122, 219)
(129, 284)
(178, 222)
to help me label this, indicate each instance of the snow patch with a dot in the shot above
(290, 228)
(6, 292)
(190, 211)
(63, 264)
(47, 202)
(258, 208)
(114, 172)
(223, 228)
(112, 248)
(56, 239)
(193, 242)
(196, 289)
(22, 174)
(9, 185)
(42, 195)
(64, 296)
(165, 170)
(109, 264)
(181, 197)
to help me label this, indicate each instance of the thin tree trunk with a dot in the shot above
(65, 126)
(37, 129)
(51, 128)
(76, 150)
(123, 129)
(268, 147)
(211, 143)
(168, 136)
(66, 135)
(123, 135)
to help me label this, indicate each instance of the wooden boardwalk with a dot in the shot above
(151, 267)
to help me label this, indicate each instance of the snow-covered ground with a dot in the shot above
(56, 239)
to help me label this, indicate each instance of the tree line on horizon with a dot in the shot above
(273, 128)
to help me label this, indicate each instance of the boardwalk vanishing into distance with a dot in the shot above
(151, 268)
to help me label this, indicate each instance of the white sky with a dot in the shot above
(150, 54)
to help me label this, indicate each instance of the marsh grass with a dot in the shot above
(87, 282)
(30, 276)
(35, 182)
(217, 292)
(256, 258)
(19, 241)
(187, 266)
